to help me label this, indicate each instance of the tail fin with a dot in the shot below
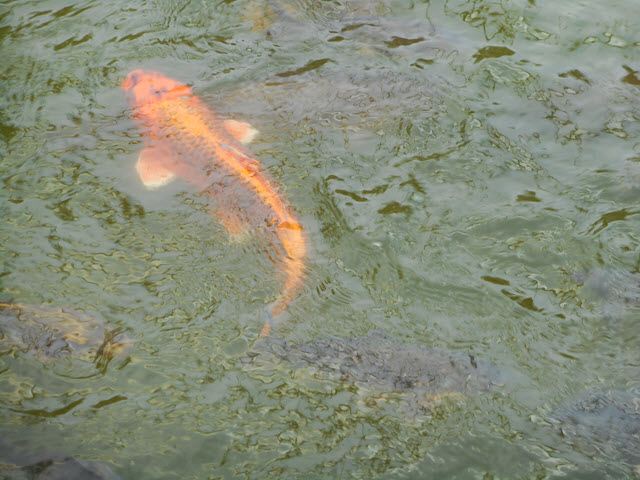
(292, 237)
(294, 269)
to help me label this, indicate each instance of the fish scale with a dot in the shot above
(207, 154)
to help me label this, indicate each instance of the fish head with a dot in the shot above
(143, 87)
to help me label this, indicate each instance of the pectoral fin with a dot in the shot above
(237, 228)
(152, 168)
(241, 131)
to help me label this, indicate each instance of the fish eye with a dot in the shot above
(159, 92)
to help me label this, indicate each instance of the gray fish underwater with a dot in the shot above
(377, 362)
(613, 285)
(49, 334)
(19, 463)
(605, 424)
(618, 290)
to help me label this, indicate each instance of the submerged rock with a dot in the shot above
(377, 362)
(605, 425)
(18, 463)
(50, 334)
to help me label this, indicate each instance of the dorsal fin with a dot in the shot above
(241, 131)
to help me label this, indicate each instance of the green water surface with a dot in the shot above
(456, 165)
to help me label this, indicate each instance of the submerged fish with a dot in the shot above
(50, 334)
(185, 139)
(618, 290)
(20, 463)
(613, 285)
(604, 424)
(376, 362)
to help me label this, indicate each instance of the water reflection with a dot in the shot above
(455, 166)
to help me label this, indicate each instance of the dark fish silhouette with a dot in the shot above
(377, 362)
(50, 334)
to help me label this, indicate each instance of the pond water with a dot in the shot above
(461, 169)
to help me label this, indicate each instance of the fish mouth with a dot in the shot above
(146, 86)
(133, 78)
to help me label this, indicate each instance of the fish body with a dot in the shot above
(378, 363)
(603, 423)
(386, 365)
(37, 464)
(53, 333)
(185, 139)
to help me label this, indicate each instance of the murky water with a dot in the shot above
(468, 176)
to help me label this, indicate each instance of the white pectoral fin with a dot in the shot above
(241, 131)
(152, 168)
(233, 221)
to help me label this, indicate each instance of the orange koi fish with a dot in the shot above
(185, 139)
